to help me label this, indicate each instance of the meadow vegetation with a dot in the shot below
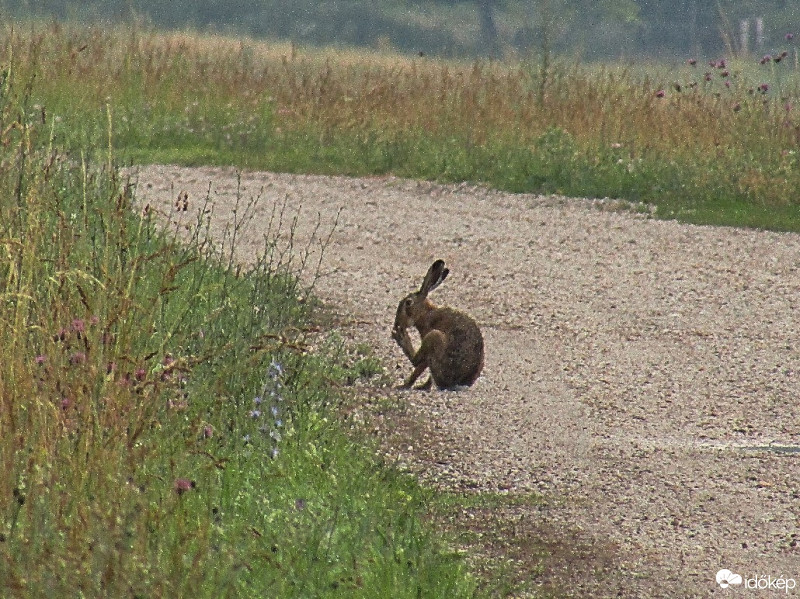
(712, 142)
(163, 429)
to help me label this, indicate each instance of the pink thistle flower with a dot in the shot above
(661, 93)
(182, 485)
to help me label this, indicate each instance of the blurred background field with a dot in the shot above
(708, 140)
(578, 29)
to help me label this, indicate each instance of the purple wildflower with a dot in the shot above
(182, 485)
(275, 369)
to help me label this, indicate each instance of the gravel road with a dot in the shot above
(642, 375)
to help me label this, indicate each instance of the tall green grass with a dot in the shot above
(703, 143)
(164, 430)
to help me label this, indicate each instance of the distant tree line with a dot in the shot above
(590, 29)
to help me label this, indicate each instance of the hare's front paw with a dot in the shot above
(403, 340)
(400, 336)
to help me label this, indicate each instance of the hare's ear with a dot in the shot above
(436, 274)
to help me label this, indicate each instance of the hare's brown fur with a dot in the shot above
(452, 344)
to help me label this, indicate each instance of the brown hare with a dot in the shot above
(452, 344)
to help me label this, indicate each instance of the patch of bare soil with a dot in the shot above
(642, 376)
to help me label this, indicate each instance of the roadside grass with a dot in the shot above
(164, 430)
(709, 143)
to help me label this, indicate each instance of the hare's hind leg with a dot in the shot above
(432, 344)
(427, 385)
(418, 370)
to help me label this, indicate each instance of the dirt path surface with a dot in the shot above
(644, 376)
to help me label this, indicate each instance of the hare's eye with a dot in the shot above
(409, 301)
